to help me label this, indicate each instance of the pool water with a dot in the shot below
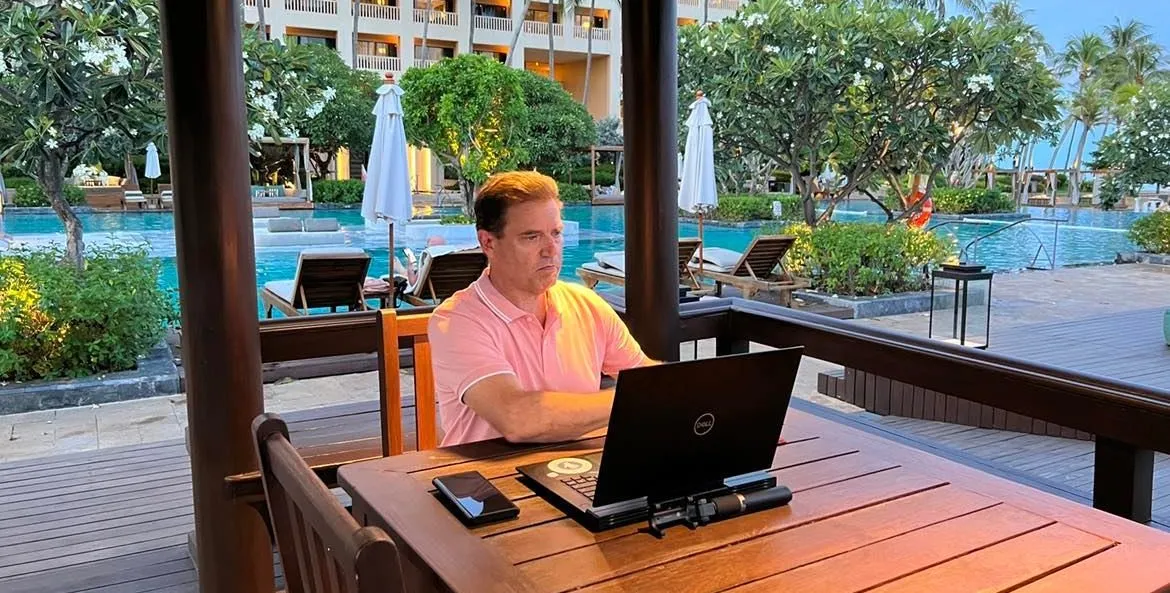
(1088, 236)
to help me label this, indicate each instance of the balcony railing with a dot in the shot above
(313, 6)
(725, 4)
(438, 17)
(493, 23)
(378, 11)
(690, 2)
(267, 3)
(539, 28)
(379, 63)
(598, 33)
(423, 63)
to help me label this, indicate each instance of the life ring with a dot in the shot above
(922, 217)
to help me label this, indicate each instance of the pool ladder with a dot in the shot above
(1049, 255)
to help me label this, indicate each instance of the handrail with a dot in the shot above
(1052, 255)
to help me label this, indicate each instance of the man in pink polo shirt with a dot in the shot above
(518, 353)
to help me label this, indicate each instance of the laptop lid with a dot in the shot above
(683, 428)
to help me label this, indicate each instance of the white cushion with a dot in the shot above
(317, 225)
(284, 225)
(264, 211)
(717, 259)
(597, 268)
(428, 255)
(615, 260)
(281, 288)
(332, 252)
(134, 196)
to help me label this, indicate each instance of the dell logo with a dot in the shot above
(704, 424)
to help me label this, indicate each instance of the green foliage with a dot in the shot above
(865, 259)
(1140, 146)
(31, 195)
(470, 112)
(573, 193)
(1112, 191)
(609, 132)
(971, 201)
(870, 87)
(606, 174)
(1152, 233)
(57, 321)
(559, 128)
(456, 219)
(284, 87)
(740, 208)
(347, 119)
(344, 192)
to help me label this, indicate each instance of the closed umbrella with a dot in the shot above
(153, 170)
(387, 192)
(697, 192)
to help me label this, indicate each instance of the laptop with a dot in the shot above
(676, 429)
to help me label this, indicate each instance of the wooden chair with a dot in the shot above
(325, 277)
(759, 268)
(322, 548)
(610, 267)
(393, 327)
(443, 274)
(105, 198)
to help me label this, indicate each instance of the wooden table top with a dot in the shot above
(867, 514)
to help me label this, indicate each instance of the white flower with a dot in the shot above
(289, 132)
(110, 131)
(878, 66)
(857, 79)
(133, 132)
(51, 144)
(980, 82)
(267, 101)
(314, 110)
(52, 132)
(811, 51)
(329, 94)
(755, 20)
(256, 132)
(772, 49)
(256, 85)
(868, 63)
(3, 64)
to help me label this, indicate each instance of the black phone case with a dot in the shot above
(457, 510)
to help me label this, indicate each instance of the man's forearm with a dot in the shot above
(549, 416)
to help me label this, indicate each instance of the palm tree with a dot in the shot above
(551, 49)
(589, 45)
(1090, 107)
(1085, 55)
(357, 8)
(260, 20)
(427, 26)
(516, 31)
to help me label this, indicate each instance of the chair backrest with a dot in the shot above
(330, 278)
(764, 255)
(414, 327)
(686, 253)
(322, 548)
(449, 273)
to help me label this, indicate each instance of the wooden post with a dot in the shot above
(650, 74)
(1123, 479)
(206, 120)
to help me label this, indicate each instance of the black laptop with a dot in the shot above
(676, 429)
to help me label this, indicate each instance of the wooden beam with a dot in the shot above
(650, 74)
(1123, 479)
(206, 121)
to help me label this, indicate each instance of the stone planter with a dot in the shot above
(881, 306)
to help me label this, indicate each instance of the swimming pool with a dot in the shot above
(1089, 236)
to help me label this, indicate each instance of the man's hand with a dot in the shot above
(537, 416)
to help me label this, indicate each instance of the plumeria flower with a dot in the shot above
(110, 131)
(51, 144)
(329, 94)
(256, 132)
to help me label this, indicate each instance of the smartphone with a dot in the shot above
(474, 499)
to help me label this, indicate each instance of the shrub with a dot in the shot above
(1152, 233)
(740, 208)
(456, 219)
(971, 201)
(605, 175)
(865, 259)
(30, 195)
(56, 321)
(344, 192)
(572, 193)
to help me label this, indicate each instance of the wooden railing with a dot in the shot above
(438, 17)
(378, 11)
(379, 63)
(313, 6)
(493, 23)
(598, 33)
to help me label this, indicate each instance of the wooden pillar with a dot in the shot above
(1123, 479)
(217, 282)
(650, 90)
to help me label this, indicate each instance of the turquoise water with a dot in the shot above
(1089, 236)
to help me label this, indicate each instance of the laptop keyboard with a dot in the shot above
(584, 485)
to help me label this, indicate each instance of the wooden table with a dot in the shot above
(867, 514)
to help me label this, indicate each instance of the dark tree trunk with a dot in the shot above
(53, 182)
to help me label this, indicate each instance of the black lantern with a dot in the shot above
(960, 305)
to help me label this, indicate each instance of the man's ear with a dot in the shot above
(487, 241)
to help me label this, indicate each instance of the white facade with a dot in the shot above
(390, 35)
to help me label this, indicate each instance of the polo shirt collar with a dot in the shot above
(500, 305)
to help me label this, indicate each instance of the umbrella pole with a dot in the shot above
(700, 247)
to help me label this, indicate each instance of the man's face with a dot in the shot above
(527, 254)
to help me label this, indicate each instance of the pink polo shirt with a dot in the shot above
(477, 333)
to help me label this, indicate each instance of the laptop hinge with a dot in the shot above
(738, 495)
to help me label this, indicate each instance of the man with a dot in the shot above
(518, 353)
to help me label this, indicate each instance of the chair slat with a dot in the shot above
(394, 327)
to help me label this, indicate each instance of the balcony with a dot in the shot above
(312, 6)
(540, 28)
(598, 33)
(252, 3)
(424, 63)
(438, 17)
(378, 11)
(493, 23)
(378, 63)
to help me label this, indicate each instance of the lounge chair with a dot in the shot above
(326, 277)
(134, 200)
(610, 267)
(444, 270)
(759, 268)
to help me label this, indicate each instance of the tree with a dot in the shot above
(347, 121)
(589, 45)
(1140, 147)
(470, 111)
(516, 32)
(559, 128)
(552, 59)
(72, 74)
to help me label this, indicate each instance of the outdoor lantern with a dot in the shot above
(960, 305)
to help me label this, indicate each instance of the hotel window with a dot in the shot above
(377, 48)
(330, 42)
(499, 56)
(433, 53)
(541, 16)
(439, 5)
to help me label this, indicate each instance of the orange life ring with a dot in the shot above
(922, 217)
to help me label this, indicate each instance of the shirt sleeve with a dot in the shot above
(463, 353)
(622, 351)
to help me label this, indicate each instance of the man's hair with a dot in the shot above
(504, 190)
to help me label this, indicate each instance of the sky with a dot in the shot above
(1060, 20)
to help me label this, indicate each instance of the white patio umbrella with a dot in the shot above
(697, 192)
(153, 169)
(387, 193)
